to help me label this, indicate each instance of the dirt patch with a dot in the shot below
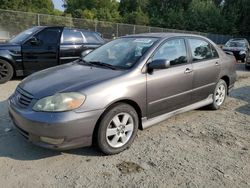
(200, 148)
(128, 167)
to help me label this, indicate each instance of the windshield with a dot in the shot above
(121, 53)
(235, 44)
(23, 35)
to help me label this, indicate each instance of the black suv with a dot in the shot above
(42, 47)
(239, 47)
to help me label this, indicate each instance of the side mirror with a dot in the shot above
(34, 41)
(229, 53)
(159, 64)
(86, 52)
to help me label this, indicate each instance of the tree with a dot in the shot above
(136, 17)
(94, 9)
(216, 16)
(39, 6)
(203, 15)
(168, 13)
(236, 15)
(175, 19)
(244, 26)
(134, 11)
(129, 6)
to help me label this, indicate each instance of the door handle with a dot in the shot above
(188, 70)
(217, 64)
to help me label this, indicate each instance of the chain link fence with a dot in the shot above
(13, 22)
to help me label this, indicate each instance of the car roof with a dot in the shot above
(44, 26)
(82, 30)
(236, 39)
(242, 40)
(64, 27)
(164, 35)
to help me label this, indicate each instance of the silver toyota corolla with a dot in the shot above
(127, 84)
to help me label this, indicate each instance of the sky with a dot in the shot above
(58, 4)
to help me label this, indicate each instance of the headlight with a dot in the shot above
(60, 102)
(242, 52)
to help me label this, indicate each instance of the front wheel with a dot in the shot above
(219, 95)
(6, 71)
(117, 129)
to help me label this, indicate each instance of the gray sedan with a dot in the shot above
(127, 84)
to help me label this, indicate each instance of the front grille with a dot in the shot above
(236, 53)
(23, 98)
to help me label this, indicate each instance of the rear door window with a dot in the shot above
(92, 38)
(70, 36)
(202, 50)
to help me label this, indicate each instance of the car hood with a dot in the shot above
(70, 77)
(234, 48)
(9, 46)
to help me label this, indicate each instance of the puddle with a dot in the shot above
(129, 167)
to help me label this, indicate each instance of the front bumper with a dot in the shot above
(248, 61)
(72, 129)
(237, 54)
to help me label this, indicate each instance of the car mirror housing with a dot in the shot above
(229, 53)
(86, 52)
(159, 64)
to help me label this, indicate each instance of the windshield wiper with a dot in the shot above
(84, 62)
(98, 63)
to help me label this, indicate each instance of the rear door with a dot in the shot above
(206, 68)
(44, 53)
(170, 89)
(92, 40)
(72, 44)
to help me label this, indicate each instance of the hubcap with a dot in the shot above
(220, 95)
(120, 130)
(3, 70)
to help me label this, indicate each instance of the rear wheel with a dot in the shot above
(247, 67)
(219, 95)
(6, 71)
(244, 60)
(117, 129)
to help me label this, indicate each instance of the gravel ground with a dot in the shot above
(196, 149)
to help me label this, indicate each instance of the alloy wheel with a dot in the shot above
(220, 95)
(120, 130)
(3, 70)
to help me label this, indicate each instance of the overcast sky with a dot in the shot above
(58, 4)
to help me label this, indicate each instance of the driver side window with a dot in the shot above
(173, 50)
(49, 36)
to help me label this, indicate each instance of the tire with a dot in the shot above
(247, 67)
(244, 60)
(122, 132)
(6, 71)
(219, 95)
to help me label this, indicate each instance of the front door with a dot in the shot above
(42, 50)
(170, 89)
